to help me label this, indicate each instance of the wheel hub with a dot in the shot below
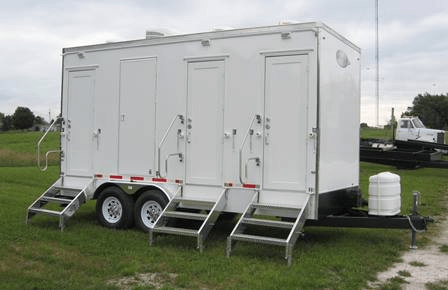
(112, 209)
(150, 213)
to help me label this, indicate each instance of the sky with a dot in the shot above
(413, 40)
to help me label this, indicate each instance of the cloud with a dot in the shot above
(413, 42)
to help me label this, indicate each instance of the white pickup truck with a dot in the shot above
(412, 128)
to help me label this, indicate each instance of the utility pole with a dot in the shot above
(377, 57)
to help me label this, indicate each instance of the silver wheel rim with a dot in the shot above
(112, 209)
(150, 213)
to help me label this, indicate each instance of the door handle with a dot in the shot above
(97, 132)
(189, 137)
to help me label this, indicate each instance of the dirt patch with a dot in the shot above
(426, 265)
(156, 280)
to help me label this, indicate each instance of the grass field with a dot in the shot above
(20, 148)
(376, 133)
(88, 256)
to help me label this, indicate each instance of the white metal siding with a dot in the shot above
(339, 111)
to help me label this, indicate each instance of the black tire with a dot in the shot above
(114, 208)
(148, 207)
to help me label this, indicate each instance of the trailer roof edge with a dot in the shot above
(210, 35)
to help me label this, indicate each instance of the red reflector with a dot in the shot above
(249, 185)
(228, 184)
(137, 178)
(98, 175)
(115, 176)
(179, 181)
(156, 179)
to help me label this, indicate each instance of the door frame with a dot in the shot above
(67, 114)
(312, 117)
(205, 59)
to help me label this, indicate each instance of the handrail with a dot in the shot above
(249, 131)
(181, 118)
(181, 158)
(257, 162)
(48, 152)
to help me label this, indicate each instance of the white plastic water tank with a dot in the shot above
(384, 194)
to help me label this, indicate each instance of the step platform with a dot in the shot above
(189, 217)
(272, 232)
(62, 200)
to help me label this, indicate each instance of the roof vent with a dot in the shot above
(288, 22)
(150, 34)
(222, 28)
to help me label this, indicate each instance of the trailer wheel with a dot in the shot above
(114, 208)
(148, 207)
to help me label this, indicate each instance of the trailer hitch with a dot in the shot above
(357, 218)
(417, 223)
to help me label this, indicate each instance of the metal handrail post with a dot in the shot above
(181, 117)
(38, 147)
(256, 117)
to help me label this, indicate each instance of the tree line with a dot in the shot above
(23, 118)
(431, 109)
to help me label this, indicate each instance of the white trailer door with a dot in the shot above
(137, 116)
(285, 126)
(80, 117)
(205, 116)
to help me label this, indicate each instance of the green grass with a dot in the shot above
(376, 133)
(417, 264)
(440, 285)
(444, 248)
(20, 148)
(87, 255)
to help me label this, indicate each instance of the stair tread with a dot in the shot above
(45, 211)
(268, 223)
(185, 215)
(270, 206)
(193, 200)
(259, 239)
(64, 199)
(201, 204)
(67, 188)
(176, 231)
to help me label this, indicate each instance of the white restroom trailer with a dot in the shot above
(253, 121)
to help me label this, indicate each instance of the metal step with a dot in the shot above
(71, 200)
(56, 199)
(268, 223)
(171, 212)
(259, 239)
(176, 231)
(274, 207)
(200, 204)
(248, 219)
(45, 211)
(186, 215)
(62, 188)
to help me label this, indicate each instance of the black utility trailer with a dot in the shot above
(404, 154)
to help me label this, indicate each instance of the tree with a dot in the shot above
(23, 118)
(432, 110)
(39, 120)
